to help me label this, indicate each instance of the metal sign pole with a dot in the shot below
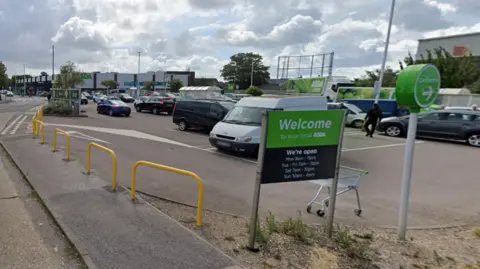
(258, 183)
(333, 189)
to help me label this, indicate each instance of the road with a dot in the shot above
(444, 189)
(17, 112)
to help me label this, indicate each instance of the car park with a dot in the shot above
(156, 105)
(355, 116)
(200, 114)
(444, 124)
(240, 130)
(113, 108)
(97, 97)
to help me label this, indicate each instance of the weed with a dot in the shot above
(476, 232)
(438, 258)
(297, 229)
(351, 247)
(271, 223)
(262, 236)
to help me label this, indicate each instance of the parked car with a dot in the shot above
(126, 98)
(156, 105)
(141, 99)
(445, 124)
(9, 94)
(87, 95)
(97, 97)
(84, 100)
(113, 108)
(355, 116)
(200, 114)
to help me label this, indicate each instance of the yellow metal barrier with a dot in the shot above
(55, 141)
(39, 126)
(39, 115)
(174, 170)
(114, 161)
(34, 126)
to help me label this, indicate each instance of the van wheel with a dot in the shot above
(357, 124)
(182, 125)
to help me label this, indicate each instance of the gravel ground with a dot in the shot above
(290, 244)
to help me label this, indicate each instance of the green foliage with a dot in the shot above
(175, 85)
(456, 72)
(352, 247)
(58, 108)
(110, 84)
(254, 91)
(238, 71)
(148, 85)
(389, 78)
(69, 77)
(3, 76)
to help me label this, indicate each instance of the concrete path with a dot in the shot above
(107, 227)
(21, 245)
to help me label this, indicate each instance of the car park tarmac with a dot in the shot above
(444, 189)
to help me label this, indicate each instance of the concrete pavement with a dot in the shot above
(437, 199)
(107, 227)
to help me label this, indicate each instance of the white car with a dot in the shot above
(97, 97)
(9, 94)
(355, 116)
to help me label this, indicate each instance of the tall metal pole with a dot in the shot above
(251, 76)
(385, 53)
(53, 64)
(24, 81)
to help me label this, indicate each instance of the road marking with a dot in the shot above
(86, 137)
(381, 146)
(189, 133)
(215, 151)
(14, 130)
(123, 132)
(5, 130)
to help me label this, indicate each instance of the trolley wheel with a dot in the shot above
(309, 208)
(326, 203)
(357, 212)
(320, 213)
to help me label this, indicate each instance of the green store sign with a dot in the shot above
(306, 85)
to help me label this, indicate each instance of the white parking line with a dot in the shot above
(11, 124)
(381, 146)
(14, 130)
(189, 133)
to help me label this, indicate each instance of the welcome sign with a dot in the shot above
(301, 145)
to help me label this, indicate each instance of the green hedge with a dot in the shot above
(58, 108)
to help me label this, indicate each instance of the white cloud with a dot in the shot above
(106, 35)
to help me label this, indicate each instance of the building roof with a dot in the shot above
(448, 37)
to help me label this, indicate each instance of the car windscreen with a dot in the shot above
(227, 105)
(245, 115)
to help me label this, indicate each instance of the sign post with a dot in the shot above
(298, 146)
(417, 87)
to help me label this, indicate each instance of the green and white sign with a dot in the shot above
(306, 85)
(301, 145)
(417, 86)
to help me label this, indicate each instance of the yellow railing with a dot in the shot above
(34, 129)
(174, 170)
(39, 126)
(114, 161)
(55, 141)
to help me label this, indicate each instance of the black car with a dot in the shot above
(156, 105)
(445, 124)
(200, 114)
(126, 98)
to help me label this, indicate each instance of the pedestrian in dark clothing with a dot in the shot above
(49, 96)
(372, 118)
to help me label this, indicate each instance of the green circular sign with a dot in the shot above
(417, 86)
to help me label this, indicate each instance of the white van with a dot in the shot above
(241, 128)
(355, 116)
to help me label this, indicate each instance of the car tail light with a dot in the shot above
(161, 102)
(115, 107)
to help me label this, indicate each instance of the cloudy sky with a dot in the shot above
(105, 35)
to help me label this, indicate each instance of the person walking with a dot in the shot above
(372, 118)
(49, 96)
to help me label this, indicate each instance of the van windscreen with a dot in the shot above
(245, 115)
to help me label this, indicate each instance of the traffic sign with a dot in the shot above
(417, 86)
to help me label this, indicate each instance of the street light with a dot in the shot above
(378, 83)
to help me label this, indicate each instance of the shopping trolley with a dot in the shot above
(348, 180)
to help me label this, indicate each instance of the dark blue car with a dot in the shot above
(113, 108)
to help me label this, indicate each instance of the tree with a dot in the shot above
(389, 78)
(175, 85)
(69, 77)
(43, 73)
(455, 72)
(239, 70)
(148, 85)
(110, 84)
(254, 91)
(3, 76)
